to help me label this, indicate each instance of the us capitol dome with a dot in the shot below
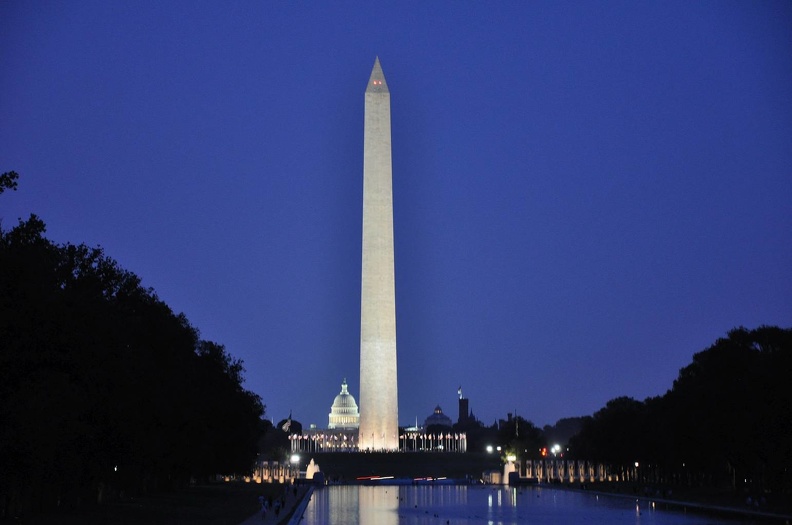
(344, 412)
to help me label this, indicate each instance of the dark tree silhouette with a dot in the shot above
(731, 408)
(102, 387)
(726, 422)
(562, 431)
(614, 433)
(8, 181)
(521, 437)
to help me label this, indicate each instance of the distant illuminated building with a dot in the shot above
(344, 412)
(465, 415)
(341, 434)
(438, 419)
(436, 436)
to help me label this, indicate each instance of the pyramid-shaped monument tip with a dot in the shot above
(377, 83)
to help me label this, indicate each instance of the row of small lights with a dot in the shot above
(555, 450)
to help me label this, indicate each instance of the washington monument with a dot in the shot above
(379, 416)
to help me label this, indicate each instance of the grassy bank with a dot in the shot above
(212, 504)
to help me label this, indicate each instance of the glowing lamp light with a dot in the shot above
(295, 458)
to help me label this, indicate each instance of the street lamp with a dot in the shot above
(295, 463)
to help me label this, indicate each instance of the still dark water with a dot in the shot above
(500, 505)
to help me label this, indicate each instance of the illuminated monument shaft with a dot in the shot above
(379, 417)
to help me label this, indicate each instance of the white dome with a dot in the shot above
(344, 412)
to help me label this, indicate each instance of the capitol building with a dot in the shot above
(344, 413)
(341, 434)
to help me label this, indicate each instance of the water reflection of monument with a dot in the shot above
(377, 506)
(354, 504)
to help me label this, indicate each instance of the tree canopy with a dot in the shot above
(727, 419)
(103, 388)
(8, 181)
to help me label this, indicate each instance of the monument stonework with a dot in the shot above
(379, 417)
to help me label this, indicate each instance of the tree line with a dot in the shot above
(726, 422)
(104, 390)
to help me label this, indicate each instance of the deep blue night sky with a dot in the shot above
(586, 193)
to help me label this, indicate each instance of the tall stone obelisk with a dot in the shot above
(379, 416)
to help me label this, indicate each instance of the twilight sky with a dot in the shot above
(585, 193)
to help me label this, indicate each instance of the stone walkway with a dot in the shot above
(292, 499)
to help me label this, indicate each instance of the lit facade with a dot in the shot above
(344, 412)
(379, 417)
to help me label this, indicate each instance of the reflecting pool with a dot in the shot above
(500, 505)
